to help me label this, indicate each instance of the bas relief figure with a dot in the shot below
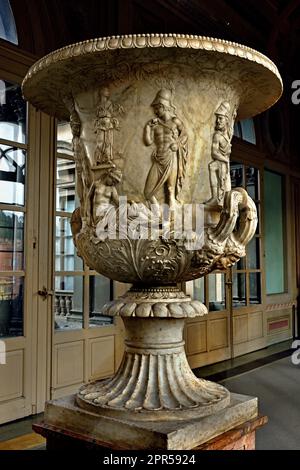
(103, 193)
(219, 167)
(167, 133)
(104, 126)
(83, 167)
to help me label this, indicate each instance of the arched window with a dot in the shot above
(245, 130)
(8, 30)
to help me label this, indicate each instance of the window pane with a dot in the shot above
(11, 240)
(248, 130)
(252, 183)
(216, 291)
(238, 290)
(12, 113)
(237, 130)
(274, 238)
(12, 175)
(100, 294)
(65, 251)
(68, 302)
(253, 254)
(65, 185)
(199, 289)
(8, 29)
(64, 138)
(237, 175)
(255, 291)
(11, 306)
(241, 264)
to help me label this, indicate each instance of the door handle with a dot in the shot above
(228, 283)
(44, 292)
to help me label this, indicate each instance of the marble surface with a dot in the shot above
(177, 435)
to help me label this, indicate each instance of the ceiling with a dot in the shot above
(270, 26)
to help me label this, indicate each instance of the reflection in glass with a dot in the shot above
(252, 187)
(100, 294)
(248, 130)
(216, 291)
(64, 138)
(240, 264)
(253, 253)
(199, 289)
(245, 130)
(238, 290)
(65, 185)
(236, 175)
(12, 112)
(12, 175)
(237, 130)
(11, 306)
(11, 240)
(254, 287)
(65, 251)
(274, 232)
(68, 302)
(8, 30)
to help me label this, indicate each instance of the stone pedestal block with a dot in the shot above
(64, 420)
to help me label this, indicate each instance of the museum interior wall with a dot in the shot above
(51, 318)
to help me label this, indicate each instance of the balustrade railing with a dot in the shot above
(63, 302)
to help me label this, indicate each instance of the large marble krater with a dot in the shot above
(152, 118)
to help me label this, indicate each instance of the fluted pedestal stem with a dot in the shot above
(154, 380)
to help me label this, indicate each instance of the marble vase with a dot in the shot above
(152, 118)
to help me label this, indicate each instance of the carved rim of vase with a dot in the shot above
(49, 79)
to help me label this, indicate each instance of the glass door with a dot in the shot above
(246, 275)
(234, 324)
(15, 255)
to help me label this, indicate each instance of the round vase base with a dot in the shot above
(154, 380)
(183, 413)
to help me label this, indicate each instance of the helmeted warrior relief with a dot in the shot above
(167, 132)
(104, 126)
(219, 167)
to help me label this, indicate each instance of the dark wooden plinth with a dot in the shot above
(240, 438)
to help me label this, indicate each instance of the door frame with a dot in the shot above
(32, 348)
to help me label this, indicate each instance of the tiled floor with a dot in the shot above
(277, 387)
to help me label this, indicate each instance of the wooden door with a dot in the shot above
(208, 338)
(19, 242)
